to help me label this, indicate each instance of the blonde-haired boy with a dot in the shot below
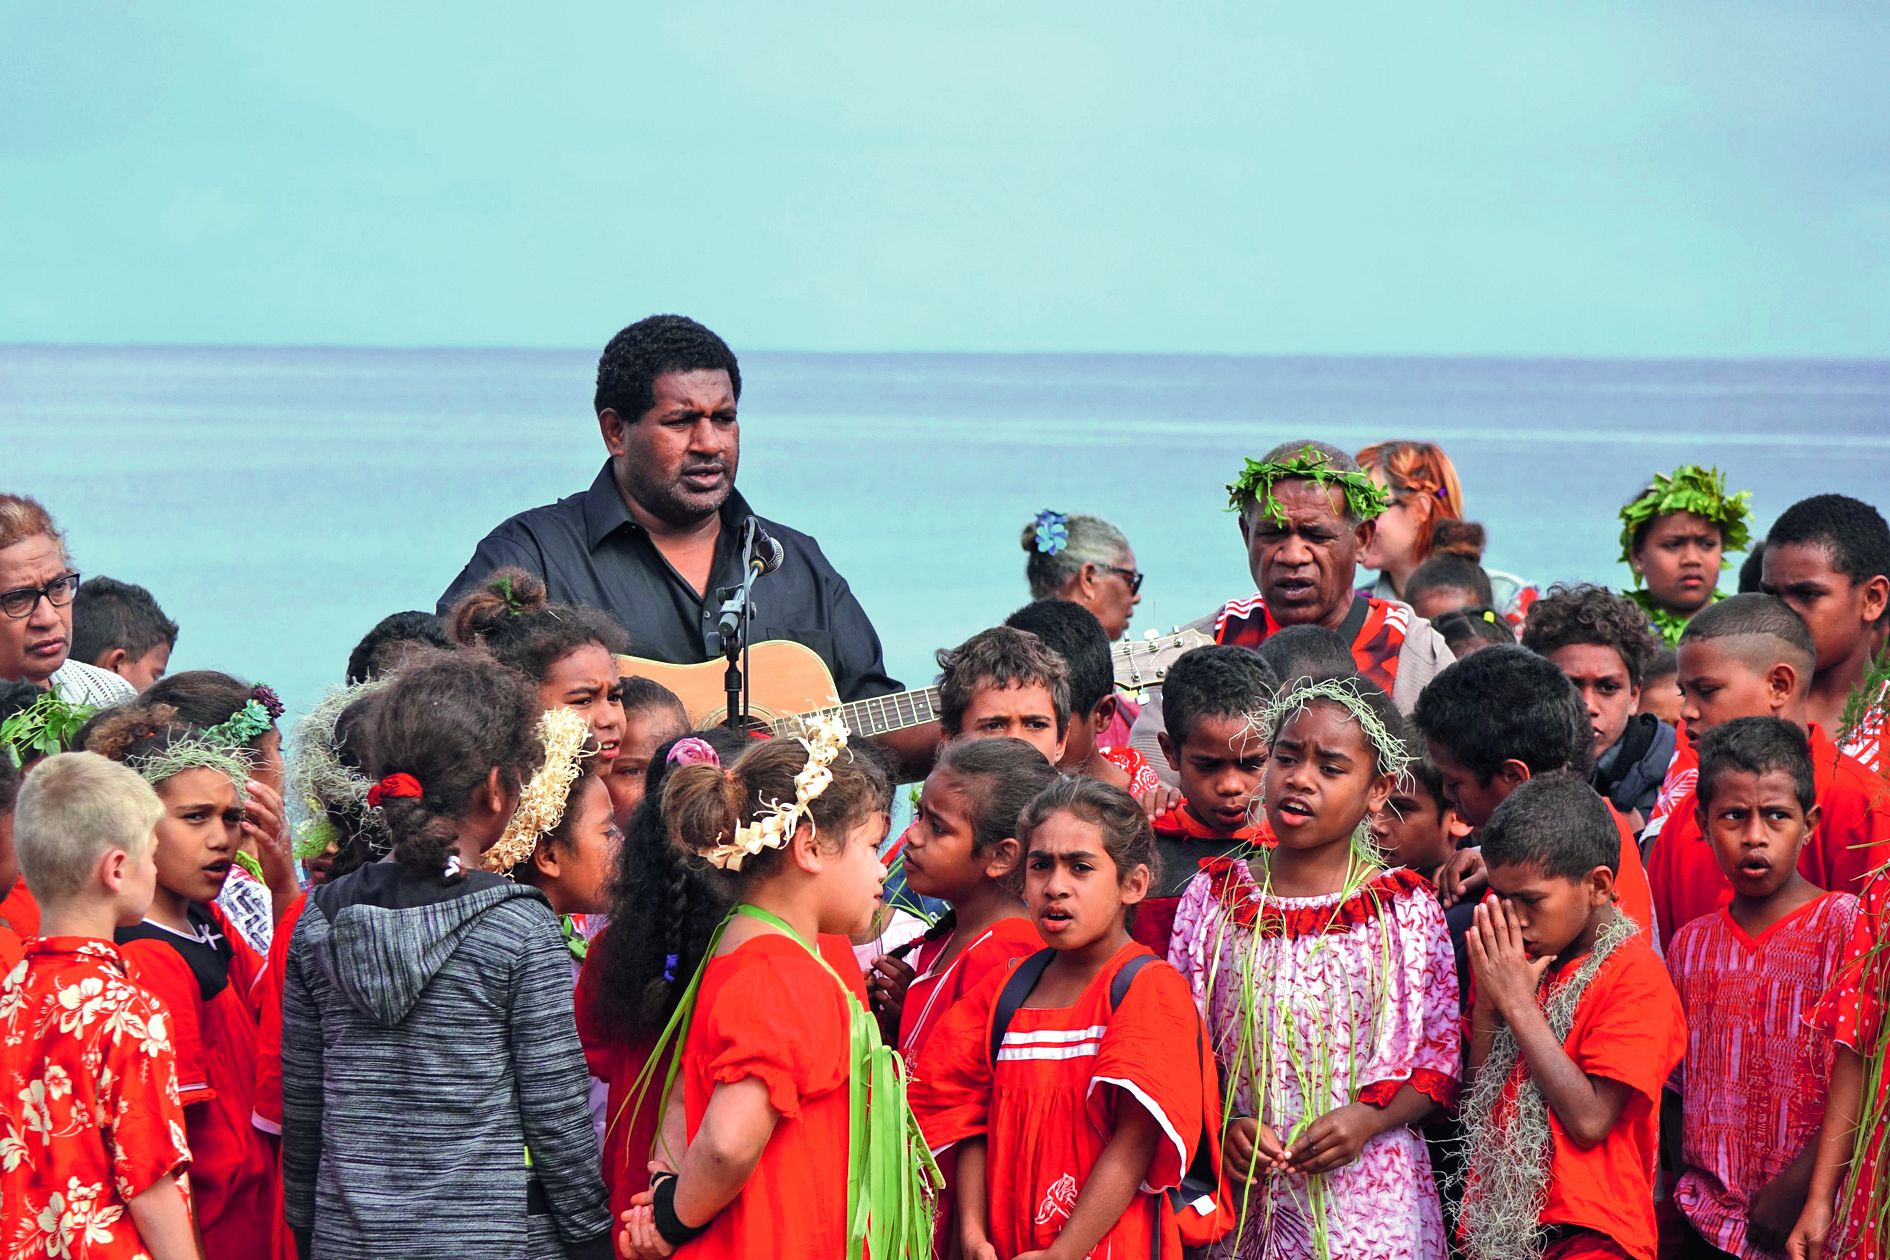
(92, 1153)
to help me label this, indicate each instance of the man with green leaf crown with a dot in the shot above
(1674, 536)
(1305, 513)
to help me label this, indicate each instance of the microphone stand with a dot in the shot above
(732, 623)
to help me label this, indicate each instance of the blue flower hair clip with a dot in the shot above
(1053, 532)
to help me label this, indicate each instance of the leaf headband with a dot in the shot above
(321, 783)
(42, 728)
(824, 741)
(257, 715)
(195, 752)
(542, 804)
(1053, 531)
(1689, 488)
(1364, 498)
(1387, 746)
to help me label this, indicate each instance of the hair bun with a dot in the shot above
(1458, 538)
(505, 593)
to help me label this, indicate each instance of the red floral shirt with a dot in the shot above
(89, 1115)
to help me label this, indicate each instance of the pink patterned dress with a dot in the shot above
(1351, 997)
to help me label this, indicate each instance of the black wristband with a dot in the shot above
(668, 1224)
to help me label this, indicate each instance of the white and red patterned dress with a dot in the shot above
(1353, 997)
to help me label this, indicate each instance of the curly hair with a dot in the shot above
(999, 657)
(662, 912)
(1421, 476)
(511, 616)
(653, 347)
(449, 719)
(1590, 614)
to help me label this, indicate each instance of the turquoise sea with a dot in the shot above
(279, 501)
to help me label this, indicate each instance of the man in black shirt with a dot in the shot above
(658, 533)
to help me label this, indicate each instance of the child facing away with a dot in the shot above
(1493, 721)
(1330, 996)
(1004, 681)
(92, 1150)
(1574, 1029)
(1075, 1087)
(1752, 656)
(774, 1044)
(568, 653)
(427, 989)
(187, 953)
(19, 913)
(119, 627)
(1073, 633)
(1751, 1089)
(1211, 742)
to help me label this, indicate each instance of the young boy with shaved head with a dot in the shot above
(1752, 656)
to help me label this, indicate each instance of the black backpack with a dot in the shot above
(1203, 1177)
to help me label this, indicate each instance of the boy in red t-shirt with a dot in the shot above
(186, 952)
(92, 1155)
(1575, 1028)
(1212, 697)
(1752, 656)
(1746, 1102)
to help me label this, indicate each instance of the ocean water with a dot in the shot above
(279, 501)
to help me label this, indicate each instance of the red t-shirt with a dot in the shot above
(1631, 889)
(1854, 1013)
(1628, 1028)
(1048, 1107)
(1142, 776)
(769, 1011)
(1852, 839)
(207, 982)
(89, 1113)
(19, 923)
(932, 993)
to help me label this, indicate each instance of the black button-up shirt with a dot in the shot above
(589, 551)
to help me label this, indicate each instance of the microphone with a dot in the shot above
(765, 552)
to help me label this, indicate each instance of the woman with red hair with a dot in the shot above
(1425, 493)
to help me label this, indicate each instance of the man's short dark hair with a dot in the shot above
(1756, 745)
(390, 636)
(1072, 632)
(1854, 532)
(107, 614)
(1506, 704)
(1592, 615)
(652, 347)
(1555, 822)
(1214, 682)
(1754, 616)
(1303, 651)
(999, 657)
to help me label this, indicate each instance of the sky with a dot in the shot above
(1648, 180)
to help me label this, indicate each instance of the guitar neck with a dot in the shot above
(878, 715)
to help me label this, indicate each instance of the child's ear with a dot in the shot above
(1103, 714)
(1813, 817)
(1600, 884)
(1168, 751)
(1135, 884)
(1875, 598)
(1513, 773)
(1002, 858)
(113, 658)
(804, 850)
(545, 860)
(1781, 685)
(1378, 794)
(112, 868)
(1455, 827)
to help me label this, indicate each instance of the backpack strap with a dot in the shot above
(1120, 982)
(1012, 995)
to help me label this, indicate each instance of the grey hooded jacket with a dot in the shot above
(429, 1044)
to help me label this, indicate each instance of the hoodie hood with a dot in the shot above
(1630, 773)
(388, 932)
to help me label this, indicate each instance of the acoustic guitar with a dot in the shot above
(787, 681)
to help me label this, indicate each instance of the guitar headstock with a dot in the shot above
(1144, 662)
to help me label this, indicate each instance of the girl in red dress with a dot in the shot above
(1072, 1119)
(777, 1053)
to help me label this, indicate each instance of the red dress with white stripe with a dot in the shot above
(1048, 1107)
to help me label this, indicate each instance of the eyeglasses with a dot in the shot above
(1132, 576)
(21, 603)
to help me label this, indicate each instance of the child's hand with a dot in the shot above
(980, 1250)
(1335, 1139)
(1251, 1146)
(638, 1240)
(1158, 801)
(1775, 1208)
(886, 985)
(1506, 976)
(1808, 1236)
(1463, 877)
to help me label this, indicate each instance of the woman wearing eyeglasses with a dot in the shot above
(1087, 561)
(37, 583)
